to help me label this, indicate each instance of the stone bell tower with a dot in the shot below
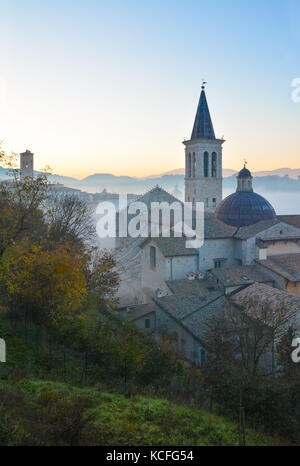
(203, 160)
(26, 164)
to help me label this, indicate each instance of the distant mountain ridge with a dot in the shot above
(282, 179)
(181, 171)
(291, 172)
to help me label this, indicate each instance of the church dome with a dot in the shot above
(244, 207)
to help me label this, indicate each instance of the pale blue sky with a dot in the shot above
(112, 86)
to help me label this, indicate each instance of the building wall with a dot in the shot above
(280, 247)
(216, 249)
(26, 165)
(141, 323)
(184, 343)
(249, 249)
(170, 268)
(198, 187)
(279, 281)
(153, 278)
(293, 288)
(178, 267)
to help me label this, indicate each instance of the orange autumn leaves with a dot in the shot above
(46, 283)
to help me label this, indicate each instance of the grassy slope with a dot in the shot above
(139, 421)
(115, 420)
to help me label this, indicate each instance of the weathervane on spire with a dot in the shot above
(203, 84)
(245, 163)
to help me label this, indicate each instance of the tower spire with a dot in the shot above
(203, 127)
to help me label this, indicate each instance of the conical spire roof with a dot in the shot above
(203, 127)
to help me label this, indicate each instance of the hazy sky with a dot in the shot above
(112, 86)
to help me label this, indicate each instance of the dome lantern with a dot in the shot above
(244, 207)
(244, 180)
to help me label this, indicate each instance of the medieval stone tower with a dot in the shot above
(26, 164)
(203, 160)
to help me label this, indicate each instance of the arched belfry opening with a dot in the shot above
(203, 181)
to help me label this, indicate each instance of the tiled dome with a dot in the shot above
(244, 208)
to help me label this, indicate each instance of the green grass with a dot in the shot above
(43, 402)
(116, 420)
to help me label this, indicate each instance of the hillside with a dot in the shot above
(37, 407)
(46, 412)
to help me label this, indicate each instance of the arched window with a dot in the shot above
(214, 165)
(206, 156)
(189, 165)
(194, 165)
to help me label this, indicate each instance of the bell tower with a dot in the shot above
(203, 160)
(26, 164)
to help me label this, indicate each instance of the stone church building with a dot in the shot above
(241, 230)
(248, 251)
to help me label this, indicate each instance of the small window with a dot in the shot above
(206, 156)
(219, 263)
(147, 323)
(201, 355)
(152, 257)
(214, 201)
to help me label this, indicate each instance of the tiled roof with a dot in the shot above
(286, 265)
(135, 312)
(235, 276)
(193, 313)
(172, 246)
(214, 229)
(198, 322)
(157, 194)
(192, 287)
(252, 230)
(277, 299)
(293, 220)
(280, 238)
(182, 304)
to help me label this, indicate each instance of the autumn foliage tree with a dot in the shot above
(48, 269)
(43, 284)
